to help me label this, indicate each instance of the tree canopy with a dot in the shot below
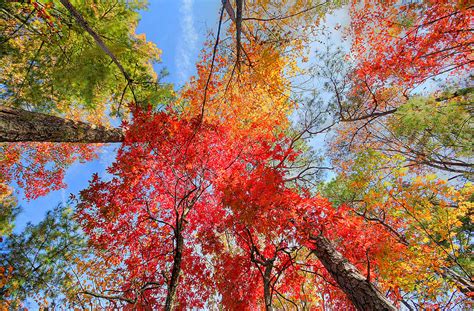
(289, 172)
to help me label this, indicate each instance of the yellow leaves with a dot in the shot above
(254, 99)
(423, 208)
(418, 181)
(387, 184)
(425, 240)
(5, 191)
(430, 177)
(412, 269)
(395, 30)
(467, 191)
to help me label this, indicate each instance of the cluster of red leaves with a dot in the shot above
(39, 168)
(42, 11)
(162, 187)
(409, 43)
(226, 195)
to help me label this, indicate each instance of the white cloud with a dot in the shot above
(187, 41)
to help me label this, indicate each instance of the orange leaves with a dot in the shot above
(8, 301)
(253, 99)
(407, 44)
(415, 224)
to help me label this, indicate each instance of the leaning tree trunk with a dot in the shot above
(358, 289)
(17, 125)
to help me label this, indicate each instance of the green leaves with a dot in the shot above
(8, 210)
(39, 258)
(431, 124)
(58, 68)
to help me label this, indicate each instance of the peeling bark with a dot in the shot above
(363, 294)
(17, 125)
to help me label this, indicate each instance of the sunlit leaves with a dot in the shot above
(409, 43)
(51, 64)
(39, 168)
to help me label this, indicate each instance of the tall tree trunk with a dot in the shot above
(175, 272)
(238, 26)
(17, 125)
(358, 289)
(266, 285)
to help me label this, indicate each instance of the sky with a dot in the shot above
(179, 28)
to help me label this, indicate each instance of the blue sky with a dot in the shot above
(179, 28)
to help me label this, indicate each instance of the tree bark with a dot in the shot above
(175, 272)
(358, 289)
(17, 125)
(238, 26)
(267, 285)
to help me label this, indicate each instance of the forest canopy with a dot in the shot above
(319, 157)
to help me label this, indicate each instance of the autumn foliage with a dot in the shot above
(215, 208)
(409, 43)
(205, 205)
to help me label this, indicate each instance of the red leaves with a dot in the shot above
(163, 186)
(172, 177)
(39, 168)
(406, 44)
(226, 195)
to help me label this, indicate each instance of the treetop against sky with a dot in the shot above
(240, 155)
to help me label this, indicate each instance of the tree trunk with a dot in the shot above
(175, 272)
(358, 289)
(266, 285)
(238, 26)
(17, 125)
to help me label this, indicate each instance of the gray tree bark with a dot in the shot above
(363, 294)
(17, 125)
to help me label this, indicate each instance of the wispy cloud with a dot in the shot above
(187, 41)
